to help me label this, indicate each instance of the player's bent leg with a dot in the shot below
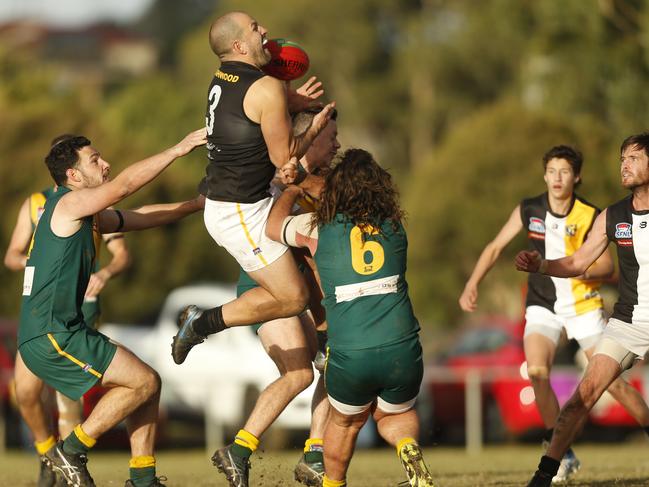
(539, 353)
(343, 427)
(131, 383)
(601, 372)
(627, 395)
(29, 390)
(282, 294)
(540, 345)
(285, 295)
(28, 395)
(285, 343)
(134, 396)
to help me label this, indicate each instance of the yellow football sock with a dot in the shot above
(247, 440)
(142, 462)
(309, 443)
(403, 442)
(327, 482)
(43, 446)
(83, 437)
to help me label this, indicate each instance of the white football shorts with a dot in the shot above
(240, 228)
(586, 328)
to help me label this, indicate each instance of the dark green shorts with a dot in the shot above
(70, 362)
(91, 311)
(358, 377)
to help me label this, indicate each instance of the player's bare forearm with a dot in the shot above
(15, 260)
(121, 257)
(532, 262)
(602, 269)
(16, 254)
(280, 210)
(486, 261)
(148, 216)
(564, 267)
(299, 145)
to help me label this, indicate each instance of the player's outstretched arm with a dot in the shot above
(84, 202)
(572, 265)
(148, 216)
(469, 297)
(16, 255)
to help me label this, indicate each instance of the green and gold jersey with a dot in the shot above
(363, 279)
(56, 276)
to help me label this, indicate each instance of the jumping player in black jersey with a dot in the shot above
(557, 224)
(249, 138)
(626, 337)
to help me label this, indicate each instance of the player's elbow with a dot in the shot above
(125, 260)
(13, 263)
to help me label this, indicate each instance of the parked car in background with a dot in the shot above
(493, 349)
(222, 377)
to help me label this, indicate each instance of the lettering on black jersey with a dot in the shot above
(232, 78)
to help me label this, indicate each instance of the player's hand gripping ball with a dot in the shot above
(288, 60)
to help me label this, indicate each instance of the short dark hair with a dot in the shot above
(303, 120)
(570, 154)
(63, 155)
(61, 138)
(639, 140)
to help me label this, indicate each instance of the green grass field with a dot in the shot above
(624, 464)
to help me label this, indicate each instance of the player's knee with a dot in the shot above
(618, 387)
(588, 393)
(296, 303)
(150, 384)
(538, 373)
(302, 378)
(26, 395)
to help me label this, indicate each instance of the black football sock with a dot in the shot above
(549, 465)
(211, 321)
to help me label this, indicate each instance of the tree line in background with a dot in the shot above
(458, 99)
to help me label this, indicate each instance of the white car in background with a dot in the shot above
(222, 377)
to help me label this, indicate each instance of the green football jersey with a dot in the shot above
(365, 290)
(56, 276)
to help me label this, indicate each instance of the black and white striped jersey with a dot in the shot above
(628, 229)
(556, 236)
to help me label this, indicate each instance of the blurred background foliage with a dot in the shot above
(459, 99)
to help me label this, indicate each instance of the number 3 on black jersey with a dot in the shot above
(361, 247)
(213, 99)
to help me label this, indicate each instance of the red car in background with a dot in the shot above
(493, 351)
